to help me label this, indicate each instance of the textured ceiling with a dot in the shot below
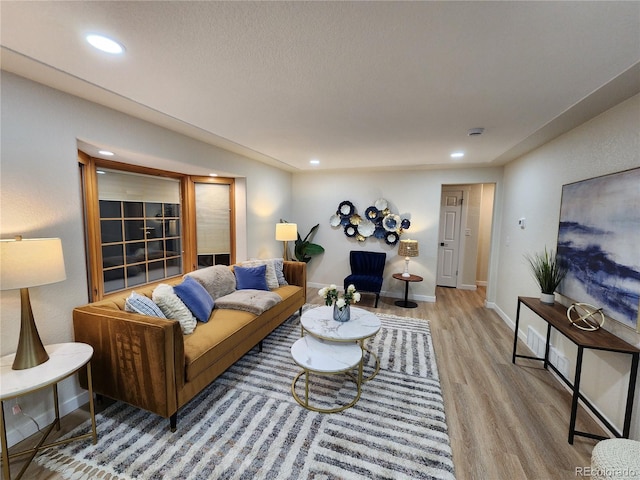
(353, 84)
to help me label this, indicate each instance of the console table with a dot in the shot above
(556, 317)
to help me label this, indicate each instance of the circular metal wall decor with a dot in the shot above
(585, 316)
(378, 222)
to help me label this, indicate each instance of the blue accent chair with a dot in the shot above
(366, 272)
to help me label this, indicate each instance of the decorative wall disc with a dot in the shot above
(585, 316)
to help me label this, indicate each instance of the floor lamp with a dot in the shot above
(284, 233)
(23, 264)
(407, 249)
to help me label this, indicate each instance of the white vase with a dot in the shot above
(548, 298)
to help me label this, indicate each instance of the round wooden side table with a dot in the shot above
(411, 278)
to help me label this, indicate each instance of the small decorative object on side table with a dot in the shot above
(65, 359)
(585, 316)
(411, 278)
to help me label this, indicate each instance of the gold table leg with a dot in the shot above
(6, 470)
(305, 403)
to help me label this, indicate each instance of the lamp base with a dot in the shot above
(31, 352)
(406, 273)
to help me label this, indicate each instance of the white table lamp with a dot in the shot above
(23, 264)
(284, 233)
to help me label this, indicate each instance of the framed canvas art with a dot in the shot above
(599, 241)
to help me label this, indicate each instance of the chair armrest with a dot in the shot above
(137, 359)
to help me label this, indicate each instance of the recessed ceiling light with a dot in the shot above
(213, 174)
(106, 153)
(314, 162)
(105, 44)
(457, 155)
(100, 172)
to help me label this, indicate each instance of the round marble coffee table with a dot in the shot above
(363, 324)
(324, 357)
(333, 348)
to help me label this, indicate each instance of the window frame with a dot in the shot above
(93, 242)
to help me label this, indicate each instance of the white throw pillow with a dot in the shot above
(174, 308)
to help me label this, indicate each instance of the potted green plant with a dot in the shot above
(548, 272)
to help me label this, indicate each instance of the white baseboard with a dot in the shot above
(468, 287)
(26, 428)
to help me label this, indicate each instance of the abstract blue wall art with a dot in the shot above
(599, 240)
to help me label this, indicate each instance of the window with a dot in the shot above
(139, 228)
(213, 223)
(146, 225)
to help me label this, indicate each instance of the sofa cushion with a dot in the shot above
(195, 297)
(270, 272)
(253, 278)
(137, 303)
(218, 280)
(174, 308)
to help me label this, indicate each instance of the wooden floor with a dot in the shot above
(505, 421)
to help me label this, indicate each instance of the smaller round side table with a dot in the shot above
(411, 278)
(65, 359)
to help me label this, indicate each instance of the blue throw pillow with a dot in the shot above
(196, 298)
(251, 277)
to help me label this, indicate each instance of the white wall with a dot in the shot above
(414, 194)
(40, 197)
(532, 189)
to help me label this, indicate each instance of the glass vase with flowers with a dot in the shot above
(341, 304)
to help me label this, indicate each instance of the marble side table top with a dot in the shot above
(64, 359)
(319, 322)
(324, 356)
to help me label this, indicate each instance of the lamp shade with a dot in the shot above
(286, 231)
(408, 248)
(30, 262)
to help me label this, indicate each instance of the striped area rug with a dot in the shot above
(246, 424)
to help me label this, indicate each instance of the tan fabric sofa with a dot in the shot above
(147, 361)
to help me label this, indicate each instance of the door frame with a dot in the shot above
(463, 245)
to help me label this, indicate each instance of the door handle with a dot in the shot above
(442, 244)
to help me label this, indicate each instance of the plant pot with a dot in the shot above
(548, 298)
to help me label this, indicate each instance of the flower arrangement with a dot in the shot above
(331, 296)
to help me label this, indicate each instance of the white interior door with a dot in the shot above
(449, 238)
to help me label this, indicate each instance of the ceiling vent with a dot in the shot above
(474, 132)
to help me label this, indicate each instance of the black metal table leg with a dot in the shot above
(576, 395)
